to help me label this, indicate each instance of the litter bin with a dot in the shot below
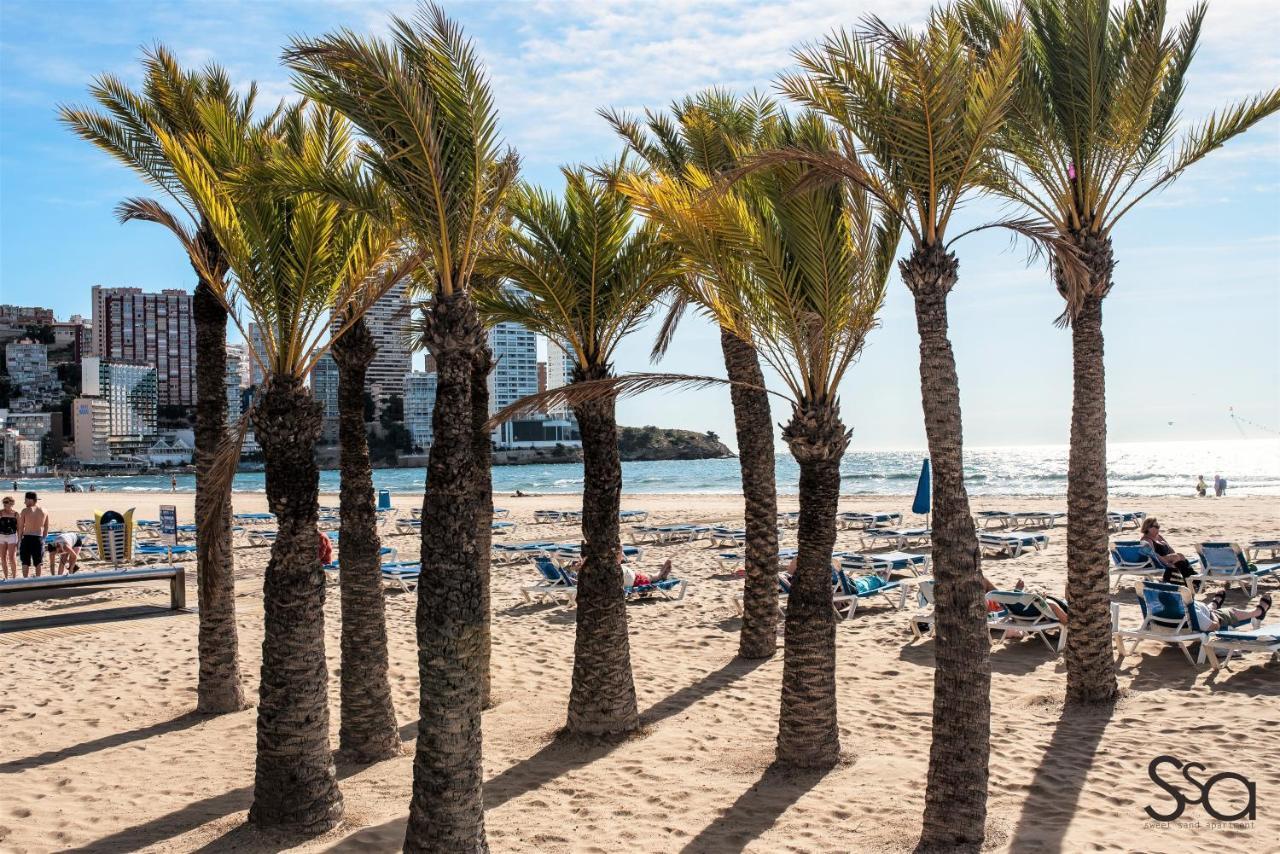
(384, 499)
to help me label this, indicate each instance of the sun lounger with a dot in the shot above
(987, 519)
(498, 512)
(731, 561)
(889, 563)
(556, 584)
(1271, 547)
(668, 588)
(730, 537)
(856, 520)
(1011, 543)
(1027, 612)
(784, 590)
(633, 515)
(511, 553)
(155, 553)
(1134, 557)
(1121, 520)
(922, 620)
(849, 589)
(547, 516)
(1167, 618)
(1229, 643)
(1227, 563)
(500, 529)
(900, 538)
(1036, 518)
(789, 519)
(261, 538)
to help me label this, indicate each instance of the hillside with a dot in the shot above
(656, 443)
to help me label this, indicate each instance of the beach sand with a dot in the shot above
(99, 751)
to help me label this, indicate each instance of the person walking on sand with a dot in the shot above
(33, 527)
(1202, 488)
(8, 539)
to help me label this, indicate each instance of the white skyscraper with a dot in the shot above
(388, 321)
(515, 350)
(419, 405)
(560, 365)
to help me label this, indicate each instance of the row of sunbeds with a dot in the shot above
(1222, 561)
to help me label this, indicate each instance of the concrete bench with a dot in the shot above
(175, 575)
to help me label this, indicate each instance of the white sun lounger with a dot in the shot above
(1226, 562)
(1271, 547)
(891, 563)
(900, 538)
(922, 620)
(1167, 618)
(1011, 543)
(856, 521)
(1027, 612)
(556, 584)
(1121, 520)
(1229, 643)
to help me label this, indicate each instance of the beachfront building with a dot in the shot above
(18, 455)
(33, 385)
(388, 322)
(133, 327)
(419, 405)
(515, 372)
(131, 393)
(90, 427)
(324, 388)
(233, 377)
(560, 366)
(241, 354)
(256, 376)
(170, 451)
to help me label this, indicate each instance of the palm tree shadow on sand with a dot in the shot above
(755, 810)
(1054, 791)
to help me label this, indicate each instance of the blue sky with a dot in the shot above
(1193, 324)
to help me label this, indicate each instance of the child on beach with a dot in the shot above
(8, 539)
(33, 527)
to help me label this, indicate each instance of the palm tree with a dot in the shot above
(424, 106)
(918, 111)
(294, 257)
(1091, 134)
(809, 262)
(584, 275)
(707, 131)
(367, 730)
(127, 129)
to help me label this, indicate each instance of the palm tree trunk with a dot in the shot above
(808, 732)
(1091, 672)
(482, 459)
(295, 784)
(752, 419)
(220, 689)
(956, 796)
(602, 701)
(367, 726)
(447, 809)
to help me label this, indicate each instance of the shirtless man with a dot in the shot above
(33, 527)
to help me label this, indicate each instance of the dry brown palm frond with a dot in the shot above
(627, 385)
(227, 460)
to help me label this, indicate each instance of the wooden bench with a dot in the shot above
(175, 575)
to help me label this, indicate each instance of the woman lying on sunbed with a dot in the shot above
(1056, 605)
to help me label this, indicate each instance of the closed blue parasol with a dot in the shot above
(924, 492)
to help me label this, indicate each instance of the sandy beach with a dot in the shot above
(100, 751)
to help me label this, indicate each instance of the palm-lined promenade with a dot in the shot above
(785, 224)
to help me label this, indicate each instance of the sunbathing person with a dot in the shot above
(631, 578)
(1213, 617)
(1177, 569)
(1056, 605)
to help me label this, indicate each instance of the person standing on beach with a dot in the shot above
(33, 527)
(1217, 486)
(1223, 484)
(173, 483)
(1202, 488)
(8, 539)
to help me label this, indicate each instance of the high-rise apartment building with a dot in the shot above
(256, 377)
(33, 384)
(233, 384)
(324, 388)
(131, 395)
(90, 427)
(130, 326)
(419, 405)
(560, 365)
(388, 322)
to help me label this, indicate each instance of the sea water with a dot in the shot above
(1252, 467)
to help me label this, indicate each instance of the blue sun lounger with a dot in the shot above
(1167, 618)
(156, 553)
(1227, 563)
(557, 583)
(848, 589)
(632, 515)
(888, 563)
(1256, 548)
(663, 588)
(1011, 543)
(1121, 520)
(1229, 643)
